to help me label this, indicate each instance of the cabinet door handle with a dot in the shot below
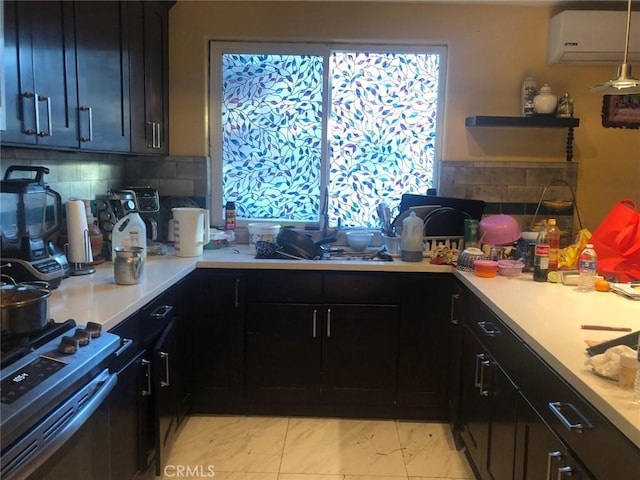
(165, 357)
(556, 408)
(90, 113)
(158, 135)
(236, 302)
(315, 322)
(49, 131)
(147, 364)
(479, 358)
(484, 364)
(161, 312)
(153, 135)
(565, 471)
(328, 323)
(31, 131)
(489, 329)
(452, 319)
(551, 456)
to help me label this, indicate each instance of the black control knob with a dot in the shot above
(94, 329)
(68, 345)
(82, 336)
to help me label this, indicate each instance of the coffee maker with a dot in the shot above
(24, 228)
(147, 203)
(109, 209)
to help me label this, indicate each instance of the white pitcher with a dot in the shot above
(191, 231)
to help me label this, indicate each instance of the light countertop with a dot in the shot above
(548, 316)
(97, 298)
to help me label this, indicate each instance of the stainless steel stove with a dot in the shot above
(50, 383)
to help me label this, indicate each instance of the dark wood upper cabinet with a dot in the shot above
(103, 75)
(40, 78)
(87, 75)
(148, 48)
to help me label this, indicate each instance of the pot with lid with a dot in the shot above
(24, 306)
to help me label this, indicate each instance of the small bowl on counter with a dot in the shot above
(510, 268)
(485, 268)
(359, 241)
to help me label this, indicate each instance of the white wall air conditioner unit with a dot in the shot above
(592, 37)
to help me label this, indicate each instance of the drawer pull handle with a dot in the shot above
(161, 312)
(550, 456)
(556, 408)
(489, 329)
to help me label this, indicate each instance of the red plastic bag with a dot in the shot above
(617, 242)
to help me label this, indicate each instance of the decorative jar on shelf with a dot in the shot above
(545, 102)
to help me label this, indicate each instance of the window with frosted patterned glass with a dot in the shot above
(289, 134)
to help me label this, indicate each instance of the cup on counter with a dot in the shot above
(392, 244)
(128, 265)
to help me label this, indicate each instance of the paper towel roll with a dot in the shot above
(78, 232)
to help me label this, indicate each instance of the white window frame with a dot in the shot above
(218, 48)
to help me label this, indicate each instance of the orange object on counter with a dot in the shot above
(485, 268)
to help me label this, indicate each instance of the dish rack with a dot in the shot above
(556, 206)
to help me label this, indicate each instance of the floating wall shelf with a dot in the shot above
(528, 122)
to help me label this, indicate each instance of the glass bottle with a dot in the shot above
(528, 91)
(541, 259)
(565, 107)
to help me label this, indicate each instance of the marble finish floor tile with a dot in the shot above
(282, 448)
(340, 446)
(231, 444)
(428, 451)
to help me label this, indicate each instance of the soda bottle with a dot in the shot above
(587, 267)
(541, 258)
(553, 235)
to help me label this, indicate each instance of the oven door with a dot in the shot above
(73, 438)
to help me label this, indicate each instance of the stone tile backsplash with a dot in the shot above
(85, 175)
(512, 188)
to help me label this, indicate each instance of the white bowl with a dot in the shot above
(359, 241)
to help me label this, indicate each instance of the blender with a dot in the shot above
(24, 228)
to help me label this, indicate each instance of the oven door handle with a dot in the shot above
(23, 459)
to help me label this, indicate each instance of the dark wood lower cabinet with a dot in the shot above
(359, 354)
(539, 452)
(283, 353)
(145, 404)
(217, 326)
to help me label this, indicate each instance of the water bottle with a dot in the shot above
(587, 267)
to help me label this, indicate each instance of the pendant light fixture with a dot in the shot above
(625, 84)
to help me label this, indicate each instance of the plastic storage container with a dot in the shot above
(130, 231)
(265, 232)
